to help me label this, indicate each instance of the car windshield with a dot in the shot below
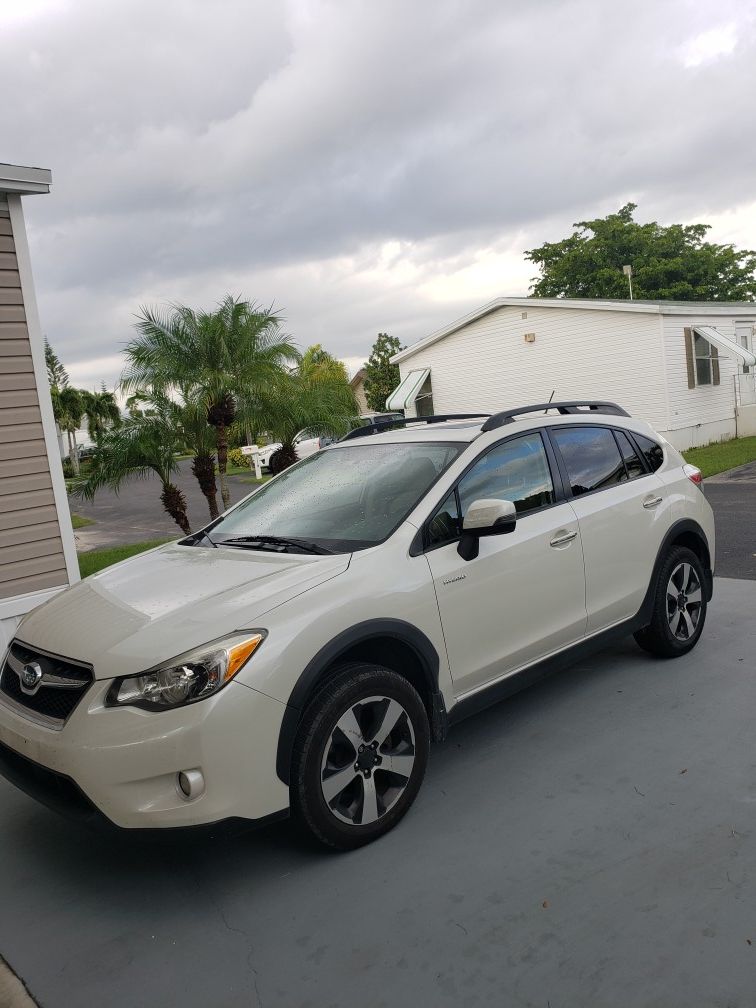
(344, 499)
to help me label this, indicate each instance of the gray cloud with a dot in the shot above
(274, 149)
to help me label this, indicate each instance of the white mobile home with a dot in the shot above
(37, 549)
(686, 368)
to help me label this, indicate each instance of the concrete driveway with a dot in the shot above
(589, 843)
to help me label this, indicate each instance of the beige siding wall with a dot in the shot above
(577, 353)
(31, 550)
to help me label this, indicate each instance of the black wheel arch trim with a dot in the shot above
(678, 528)
(361, 633)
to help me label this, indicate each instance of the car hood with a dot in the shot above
(159, 604)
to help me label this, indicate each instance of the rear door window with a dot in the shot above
(591, 457)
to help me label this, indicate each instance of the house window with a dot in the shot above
(744, 344)
(703, 356)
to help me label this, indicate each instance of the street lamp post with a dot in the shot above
(628, 271)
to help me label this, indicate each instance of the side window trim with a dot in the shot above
(638, 454)
(559, 486)
(639, 451)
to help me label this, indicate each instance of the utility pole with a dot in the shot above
(628, 271)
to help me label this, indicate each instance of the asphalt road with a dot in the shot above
(732, 495)
(588, 843)
(136, 513)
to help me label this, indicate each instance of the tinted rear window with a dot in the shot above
(633, 464)
(652, 452)
(592, 458)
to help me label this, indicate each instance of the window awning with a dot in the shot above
(408, 390)
(727, 346)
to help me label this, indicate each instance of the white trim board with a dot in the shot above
(19, 605)
(36, 343)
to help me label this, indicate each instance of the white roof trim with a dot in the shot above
(700, 308)
(728, 347)
(18, 179)
(407, 390)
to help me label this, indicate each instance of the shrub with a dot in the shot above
(237, 458)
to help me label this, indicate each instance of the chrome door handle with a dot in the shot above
(565, 537)
(652, 502)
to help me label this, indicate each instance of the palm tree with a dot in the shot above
(101, 411)
(227, 356)
(189, 421)
(140, 445)
(298, 401)
(68, 409)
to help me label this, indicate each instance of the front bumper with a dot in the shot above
(121, 764)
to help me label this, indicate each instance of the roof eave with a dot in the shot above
(24, 181)
(656, 308)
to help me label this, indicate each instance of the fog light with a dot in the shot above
(191, 783)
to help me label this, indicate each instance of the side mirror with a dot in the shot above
(485, 517)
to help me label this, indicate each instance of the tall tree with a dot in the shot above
(381, 376)
(140, 445)
(57, 376)
(68, 409)
(187, 418)
(668, 263)
(318, 364)
(226, 356)
(100, 411)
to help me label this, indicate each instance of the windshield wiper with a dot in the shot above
(264, 541)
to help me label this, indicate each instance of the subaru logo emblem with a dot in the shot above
(31, 677)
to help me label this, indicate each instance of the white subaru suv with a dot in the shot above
(300, 653)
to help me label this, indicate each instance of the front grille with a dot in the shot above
(62, 684)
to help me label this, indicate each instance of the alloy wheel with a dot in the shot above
(368, 760)
(684, 601)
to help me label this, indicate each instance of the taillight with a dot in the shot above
(694, 475)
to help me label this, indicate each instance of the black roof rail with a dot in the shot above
(383, 425)
(578, 406)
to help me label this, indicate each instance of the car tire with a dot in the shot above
(359, 757)
(679, 606)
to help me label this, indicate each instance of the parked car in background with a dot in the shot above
(308, 441)
(86, 451)
(335, 622)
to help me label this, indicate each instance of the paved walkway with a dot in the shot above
(588, 843)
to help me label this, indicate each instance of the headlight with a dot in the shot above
(190, 677)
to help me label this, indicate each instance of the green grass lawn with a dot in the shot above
(79, 522)
(716, 458)
(234, 470)
(96, 560)
(251, 479)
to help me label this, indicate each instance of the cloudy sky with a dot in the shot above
(364, 165)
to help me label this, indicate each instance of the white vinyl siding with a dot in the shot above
(706, 408)
(576, 354)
